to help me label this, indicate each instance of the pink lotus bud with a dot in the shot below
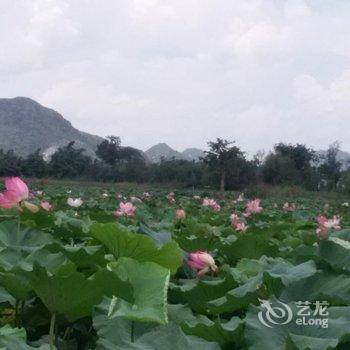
(46, 206)
(202, 262)
(180, 213)
(16, 192)
(216, 207)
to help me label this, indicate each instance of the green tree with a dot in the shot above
(299, 154)
(34, 165)
(290, 165)
(10, 163)
(331, 167)
(132, 164)
(69, 162)
(223, 158)
(109, 150)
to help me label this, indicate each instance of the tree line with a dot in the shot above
(224, 166)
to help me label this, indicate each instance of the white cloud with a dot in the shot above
(185, 71)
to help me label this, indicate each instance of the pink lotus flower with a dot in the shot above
(238, 224)
(211, 203)
(325, 225)
(253, 207)
(125, 209)
(241, 227)
(202, 262)
(46, 206)
(16, 192)
(180, 213)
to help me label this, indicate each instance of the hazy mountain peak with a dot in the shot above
(26, 126)
(163, 150)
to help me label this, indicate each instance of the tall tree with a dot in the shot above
(34, 165)
(10, 163)
(299, 154)
(69, 162)
(290, 165)
(109, 150)
(221, 158)
(331, 167)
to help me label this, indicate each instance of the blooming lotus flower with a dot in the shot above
(253, 207)
(241, 227)
(196, 197)
(46, 206)
(180, 213)
(211, 203)
(325, 225)
(146, 194)
(104, 195)
(202, 262)
(75, 202)
(238, 224)
(15, 193)
(345, 204)
(125, 209)
(39, 193)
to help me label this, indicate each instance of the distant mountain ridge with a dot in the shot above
(164, 151)
(26, 125)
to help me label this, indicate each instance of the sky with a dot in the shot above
(185, 71)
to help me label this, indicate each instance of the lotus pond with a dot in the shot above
(96, 268)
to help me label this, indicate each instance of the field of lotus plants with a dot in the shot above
(99, 268)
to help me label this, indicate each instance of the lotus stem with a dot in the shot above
(52, 331)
